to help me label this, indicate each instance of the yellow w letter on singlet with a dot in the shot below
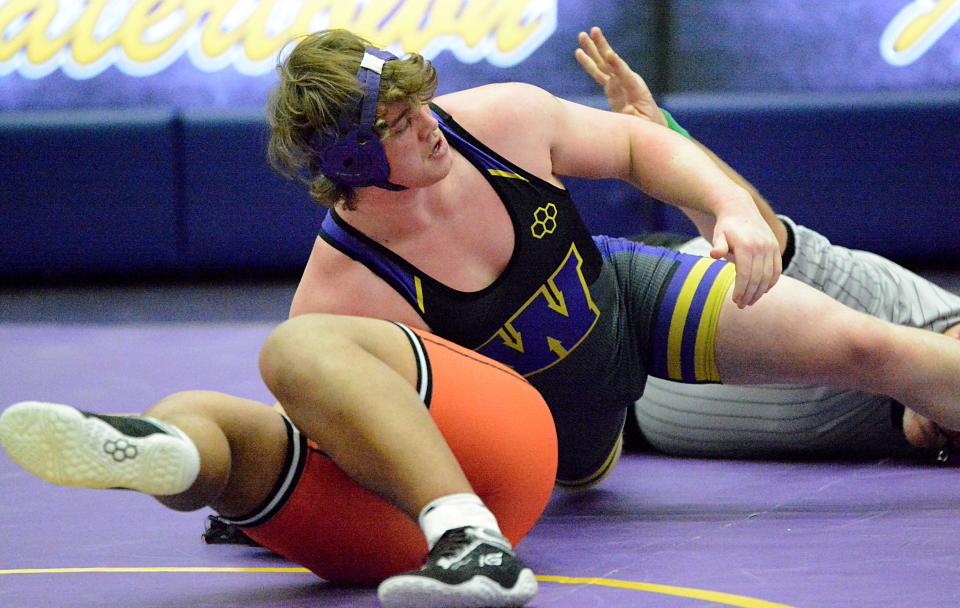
(551, 324)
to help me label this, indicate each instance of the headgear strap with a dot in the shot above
(353, 154)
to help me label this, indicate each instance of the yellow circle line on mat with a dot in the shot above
(716, 597)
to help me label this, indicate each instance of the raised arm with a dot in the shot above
(627, 93)
(593, 143)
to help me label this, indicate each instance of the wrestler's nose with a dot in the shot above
(428, 123)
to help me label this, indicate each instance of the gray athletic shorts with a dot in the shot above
(778, 421)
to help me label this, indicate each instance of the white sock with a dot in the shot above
(455, 511)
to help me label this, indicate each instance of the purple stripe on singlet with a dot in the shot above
(689, 344)
(360, 250)
(660, 339)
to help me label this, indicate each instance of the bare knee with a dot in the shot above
(194, 403)
(194, 413)
(300, 353)
(870, 350)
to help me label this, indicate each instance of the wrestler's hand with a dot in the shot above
(926, 434)
(626, 91)
(745, 239)
(921, 432)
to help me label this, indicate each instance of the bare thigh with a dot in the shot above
(322, 333)
(795, 334)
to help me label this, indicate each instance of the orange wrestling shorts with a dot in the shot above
(497, 425)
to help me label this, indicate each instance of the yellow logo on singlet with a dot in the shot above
(544, 221)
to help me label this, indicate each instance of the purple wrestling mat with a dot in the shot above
(660, 532)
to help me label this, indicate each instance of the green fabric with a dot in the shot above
(673, 125)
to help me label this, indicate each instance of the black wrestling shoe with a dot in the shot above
(467, 568)
(220, 532)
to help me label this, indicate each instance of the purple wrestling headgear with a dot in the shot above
(353, 155)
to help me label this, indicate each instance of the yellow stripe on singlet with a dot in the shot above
(678, 320)
(419, 286)
(507, 174)
(705, 352)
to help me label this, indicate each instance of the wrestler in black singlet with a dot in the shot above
(583, 318)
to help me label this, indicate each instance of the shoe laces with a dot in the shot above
(451, 544)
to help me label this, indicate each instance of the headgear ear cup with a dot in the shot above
(354, 156)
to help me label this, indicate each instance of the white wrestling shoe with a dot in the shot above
(72, 448)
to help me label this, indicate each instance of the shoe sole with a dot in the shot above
(61, 445)
(479, 592)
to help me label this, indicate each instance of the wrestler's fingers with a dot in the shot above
(774, 265)
(764, 275)
(634, 88)
(752, 282)
(596, 34)
(590, 67)
(590, 48)
(721, 250)
(773, 268)
(720, 247)
(769, 267)
(741, 283)
(920, 431)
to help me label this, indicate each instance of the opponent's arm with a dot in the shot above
(627, 93)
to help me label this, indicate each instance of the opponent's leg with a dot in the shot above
(870, 283)
(779, 420)
(922, 432)
(242, 444)
(190, 450)
(348, 383)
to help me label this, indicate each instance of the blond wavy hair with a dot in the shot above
(317, 80)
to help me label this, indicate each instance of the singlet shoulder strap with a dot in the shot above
(487, 161)
(381, 261)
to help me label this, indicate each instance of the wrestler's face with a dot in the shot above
(416, 150)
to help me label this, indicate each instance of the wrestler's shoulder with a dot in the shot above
(494, 105)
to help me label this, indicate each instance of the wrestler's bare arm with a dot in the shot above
(627, 93)
(563, 138)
